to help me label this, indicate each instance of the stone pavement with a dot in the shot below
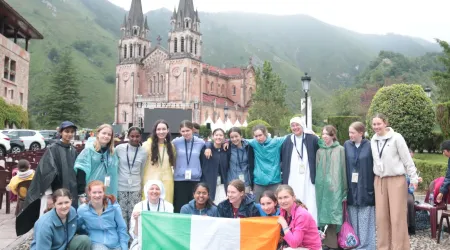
(8, 238)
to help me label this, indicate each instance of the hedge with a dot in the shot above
(249, 129)
(443, 118)
(432, 144)
(429, 171)
(12, 114)
(204, 131)
(341, 123)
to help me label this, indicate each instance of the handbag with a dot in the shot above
(347, 238)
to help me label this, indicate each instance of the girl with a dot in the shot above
(299, 227)
(202, 203)
(161, 158)
(360, 197)
(154, 201)
(331, 184)
(268, 205)
(132, 158)
(56, 229)
(241, 159)
(55, 171)
(239, 204)
(214, 169)
(187, 172)
(391, 162)
(102, 219)
(98, 162)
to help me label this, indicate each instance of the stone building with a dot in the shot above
(14, 57)
(150, 76)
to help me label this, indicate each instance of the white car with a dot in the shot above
(32, 139)
(5, 146)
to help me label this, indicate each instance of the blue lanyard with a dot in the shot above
(188, 159)
(134, 159)
(105, 164)
(295, 145)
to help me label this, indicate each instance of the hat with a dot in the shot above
(158, 183)
(66, 124)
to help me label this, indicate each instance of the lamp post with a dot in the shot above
(427, 91)
(225, 112)
(305, 85)
(195, 111)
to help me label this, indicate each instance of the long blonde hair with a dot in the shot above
(97, 145)
(289, 189)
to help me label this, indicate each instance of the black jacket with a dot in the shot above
(312, 145)
(359, 160)
(55, 170)
(251, 160)
(212, 167)
(246, 209)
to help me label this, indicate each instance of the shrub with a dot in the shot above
(432, 144)
(204, 131)
(408, 109)
(429, 171)
(342, 123)
(249, 129)
(443, 118)
(110, 79)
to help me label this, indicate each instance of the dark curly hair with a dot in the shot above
(168, 142)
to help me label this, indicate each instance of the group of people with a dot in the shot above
(302, 179)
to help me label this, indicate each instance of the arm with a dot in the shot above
(12, 186)
(344, 170)
(121, 228)
(407, 160)
(134, 221)
(294, 235)
(254, 212)
(444, 188)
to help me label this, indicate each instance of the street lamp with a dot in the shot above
(305, 85)
(225, 112)
(428, 91)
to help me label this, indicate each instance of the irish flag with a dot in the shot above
(181, 231)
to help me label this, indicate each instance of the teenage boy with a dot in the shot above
(445, 147)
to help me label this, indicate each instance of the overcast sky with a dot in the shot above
(425, 19)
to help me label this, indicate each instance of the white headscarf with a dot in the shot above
(301, 121)
(158, 183)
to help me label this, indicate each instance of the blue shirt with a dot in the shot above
(262, 213)
(188, 151)
(239, 164)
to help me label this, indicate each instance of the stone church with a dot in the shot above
(150, 76)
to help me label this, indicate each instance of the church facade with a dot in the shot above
(149, 76)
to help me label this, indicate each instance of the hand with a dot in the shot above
(225, 146)
(136, 214)
(82, 200)
(439, 198)
(420, 179)
(415, 186)
(208, 153)
(282, 222)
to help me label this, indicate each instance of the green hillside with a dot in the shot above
(293, 44)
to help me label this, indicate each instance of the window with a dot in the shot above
(125, 51)
(234, 90)
(144, 50)
(212, 84)
(12, 94)
(195, 52)
(5, 93)
(139, 51)
(182, 45)
(131, 50)
(222, 89)
(190, 45)
(175, 45)
(187, 24)
(124, 116)
(21, 98)
(9, 71)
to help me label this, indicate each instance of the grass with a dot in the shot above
(438, 158)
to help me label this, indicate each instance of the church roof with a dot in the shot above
(186, 9)
(219, 100)
(235, 71)
(136, 16)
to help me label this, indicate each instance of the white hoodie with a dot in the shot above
(395, 158)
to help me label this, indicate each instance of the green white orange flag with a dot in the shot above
(194, 232)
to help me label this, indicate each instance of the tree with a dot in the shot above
(346, 101)
(408, 109)
(63, 101)
(268, 102)
(442, 78)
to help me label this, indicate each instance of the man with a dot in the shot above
(196, 130)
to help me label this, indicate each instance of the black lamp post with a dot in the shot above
(305, 85)
(428, 91)
(225, 112)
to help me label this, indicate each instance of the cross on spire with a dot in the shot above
(159, 39)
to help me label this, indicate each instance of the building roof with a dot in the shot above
(235, 71)
(136, 16)
(16, 21)
(219, 100)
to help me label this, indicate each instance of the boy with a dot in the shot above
(445, 147)
(24, 174)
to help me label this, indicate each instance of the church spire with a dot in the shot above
(136, 16)
(186, 10)
(135, 24)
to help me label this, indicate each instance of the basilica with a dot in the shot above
(150, 76)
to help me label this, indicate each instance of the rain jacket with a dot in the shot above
(246, 209)
(191, 209)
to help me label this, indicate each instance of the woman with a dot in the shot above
(161, 157)
(102, 219)
(132, 158)
(55, 171)
(214, 168)
(298, 226)
(241, 159)
(56, 229)
(331, 185)
(391, 162)
(154, 201)
(298, 163)
(268, 204)
(202, 203)
(239, 204)
(360, 196)
(98, 161)
(188, 171)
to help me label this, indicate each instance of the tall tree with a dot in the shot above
(63, 102)
(268, 102)
(442, 78)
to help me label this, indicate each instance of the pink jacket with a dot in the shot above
(303, 229)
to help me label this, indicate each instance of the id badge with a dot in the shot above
(130, 181)
(107, 181)
(301, 168)
(355, 177)
(218, 181)
(187, 174)
(241, 177)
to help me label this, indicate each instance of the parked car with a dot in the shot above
(49, 136)
(32, 139)
(17, 146)
(5, 144)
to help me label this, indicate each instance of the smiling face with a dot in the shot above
(186, 133)
(354, 135)
(154, 192)
(379, 126)
(162, 131)
(96, 195)
(218, 137)
(267, 205)
(62, 206)
(235, 138)
(259, 136)
(104, 136)
(135, 138)
(234, 196)
(296, 128)
(285, 200)
(326, 137)
(201, 195)
(67, 134)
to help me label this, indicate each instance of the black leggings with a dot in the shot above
(183, 191)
